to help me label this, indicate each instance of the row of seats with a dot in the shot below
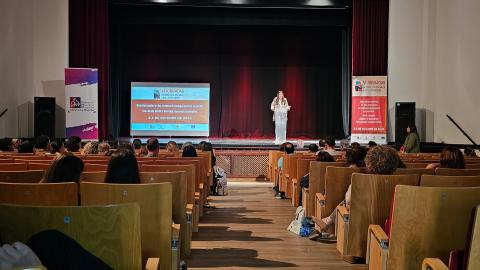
(184, 201)
(428, 197)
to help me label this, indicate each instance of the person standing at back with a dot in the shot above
(412, 142)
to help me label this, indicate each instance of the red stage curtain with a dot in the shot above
(88, 47)
(370, 37)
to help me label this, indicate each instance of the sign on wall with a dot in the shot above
(369, 109)
(81, 97)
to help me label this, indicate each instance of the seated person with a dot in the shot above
(6, 145)
(451, 158)
(469, 152)
(330, 146)
(172, 147)
(379, 160)
(123, 167)
(26, 147)
(103, 148)
(90, 148)
(56, 148)
(137, 145)
(305, 181)
(288, 148)
(40, 144)
(65, 168)
(355, 156)
(153, 147)
(189, 151)
(313, 148)
(73, 144)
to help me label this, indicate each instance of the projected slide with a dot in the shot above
(170, 109)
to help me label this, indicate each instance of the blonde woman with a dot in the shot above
(280, 110)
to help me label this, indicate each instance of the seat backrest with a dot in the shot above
(189, 170)
(473, 260)
(371, 202)
(40, 194)
(21, 176)
(97, 161)
(416, 165)
(420, 171)
(449, 181)
(337, 180)
(178, 180)
(89, 167)
(317, 181)
(303, 166)
(38, 166)
(195, 163)
(96, 177)
(429, 222)
(36, 161)
(472, 166)
(111, 233)
(13, 166)
(6, 160)
(155, 201)
(459, 172)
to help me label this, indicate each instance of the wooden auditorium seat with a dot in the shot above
(190, 174)
(370, 204)
(472, 166)
(337, 180)
(416, 165)
(95, 177)
(316, 184)
(13, 166)
(181, 215)
(303, 167)
(426, 222)
(449, 181)
(457, 172)
(40, 194)
(420, 171)
(21, 176)
(6, 160)
(38, 166)
(119, 246)
(155, 201)
(90, 167)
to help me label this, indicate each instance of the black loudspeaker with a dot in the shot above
(44, 116)
(404, 116)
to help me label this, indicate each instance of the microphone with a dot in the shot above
(4, 111)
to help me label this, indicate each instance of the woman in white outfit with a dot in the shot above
(280, 110)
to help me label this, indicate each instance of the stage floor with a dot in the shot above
(243, 143)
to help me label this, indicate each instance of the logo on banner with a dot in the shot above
(75, 102)
(359, 85)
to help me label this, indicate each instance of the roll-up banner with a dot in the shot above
(369, 109)
(81, 97)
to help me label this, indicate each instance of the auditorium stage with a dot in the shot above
(230, 143)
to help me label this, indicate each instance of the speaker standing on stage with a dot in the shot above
(280, 110)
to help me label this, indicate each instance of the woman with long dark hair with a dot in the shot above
(412, 142)
(123, 167)
(280, 110)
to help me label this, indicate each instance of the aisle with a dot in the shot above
(247, 229)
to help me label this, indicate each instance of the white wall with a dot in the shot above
(433, 60)
(33, 54)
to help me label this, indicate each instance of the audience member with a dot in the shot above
(451, 158)
(379, 160)
(73, 144)
(103, 148)
(65, 168)
(185, 144)
(305, 180)
(137, 145)
(40, 144)
(355, 156)
(321, 144)
(6, 145)
(123, 167)
(153, 147)
(26, 147)
(90, 148)
(371, 144)
(469, 152)
(172, 147)
(201, 145)
(189, 151)
(313, 148)
(330, 146)
(56, 148)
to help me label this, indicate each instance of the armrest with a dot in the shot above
(306, 190)
(287, 176)
(189, 207)
(294, 180)
(320, 198)
(379, 234)
(200, 186)
(343, 211)
(433, 264)
(175, 235)
(152, 264)
(189, 213)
